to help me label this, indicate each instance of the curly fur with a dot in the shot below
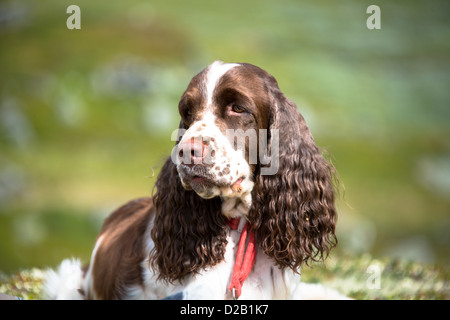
(189, 232)
(292, 214)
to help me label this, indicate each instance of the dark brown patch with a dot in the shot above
(117, 263)
(184, 222)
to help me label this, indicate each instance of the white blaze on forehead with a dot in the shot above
(214, 73)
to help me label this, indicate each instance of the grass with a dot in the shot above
(26, 284)
(356, 277)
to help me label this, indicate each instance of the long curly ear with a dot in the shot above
(189, 232)
(293, 212)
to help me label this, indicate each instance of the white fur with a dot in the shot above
(216, 71)
(65, 282)
(68, 280)
(88, 285)
(225, 157)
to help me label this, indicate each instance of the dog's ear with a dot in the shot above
(188, 232)
(293, 212)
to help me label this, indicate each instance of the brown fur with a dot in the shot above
(118, 260)
(292, 214)
(189, 232)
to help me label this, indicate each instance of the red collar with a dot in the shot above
(244, 262)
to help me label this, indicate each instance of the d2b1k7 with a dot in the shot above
(246, 309)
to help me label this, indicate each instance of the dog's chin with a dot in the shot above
(208, 186)
(204, 187)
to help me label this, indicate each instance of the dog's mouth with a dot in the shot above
(198, 179)
(203, 186)
(201, 182)
(207, 185)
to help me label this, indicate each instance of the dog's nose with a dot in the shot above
(192, 152)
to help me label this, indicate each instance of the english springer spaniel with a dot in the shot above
(244, 201)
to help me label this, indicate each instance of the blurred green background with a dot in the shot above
(86, 115)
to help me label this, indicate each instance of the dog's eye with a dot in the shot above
(188, 113)
(237, 108)
(187, 117)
